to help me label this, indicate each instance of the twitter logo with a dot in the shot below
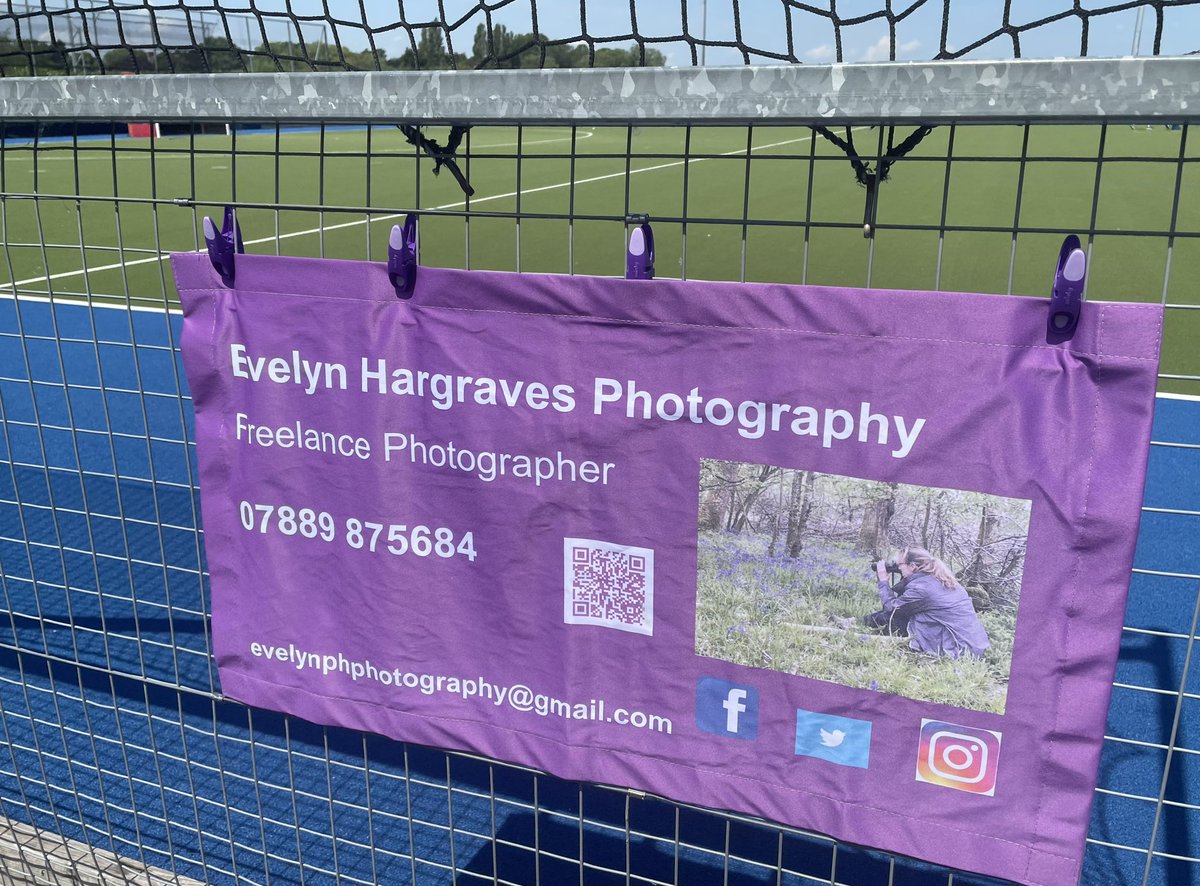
(832, 739)
(840, 740)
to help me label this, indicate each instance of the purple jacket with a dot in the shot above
(941, 620)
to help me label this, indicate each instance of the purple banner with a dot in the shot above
(853, 560)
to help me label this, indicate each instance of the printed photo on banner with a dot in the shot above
(910, 590)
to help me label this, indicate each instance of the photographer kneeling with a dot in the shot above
(928, 606)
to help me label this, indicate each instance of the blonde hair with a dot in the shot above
(923, 561)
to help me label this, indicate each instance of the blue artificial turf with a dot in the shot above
(113, 734)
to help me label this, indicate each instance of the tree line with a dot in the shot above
(497, 47)
(981, 537)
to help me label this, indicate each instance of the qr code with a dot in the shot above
(609, 585)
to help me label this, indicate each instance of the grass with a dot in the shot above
(789, 211)
(803, 616)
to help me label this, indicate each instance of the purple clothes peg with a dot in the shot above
(224, 244)
(402, 256)
(639, 257)
(1066, 296)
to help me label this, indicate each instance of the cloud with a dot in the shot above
(820, 53)
(881, 49)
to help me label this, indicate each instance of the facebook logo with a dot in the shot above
(840, 740)
(727, 709)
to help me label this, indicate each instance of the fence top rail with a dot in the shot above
(1078, 90)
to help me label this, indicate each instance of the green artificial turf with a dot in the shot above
(791, 213)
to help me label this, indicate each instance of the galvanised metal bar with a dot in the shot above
(1078, 90)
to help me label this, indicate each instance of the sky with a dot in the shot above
(763, 24)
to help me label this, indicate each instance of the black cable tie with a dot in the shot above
(442, 156)
(871, 204)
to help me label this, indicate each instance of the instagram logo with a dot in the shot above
(959, 757)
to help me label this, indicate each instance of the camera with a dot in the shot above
(890, 564)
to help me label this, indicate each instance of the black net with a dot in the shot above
(57, 37)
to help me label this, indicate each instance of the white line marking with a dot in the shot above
(380, 218)
(41, 299)
(587, 133)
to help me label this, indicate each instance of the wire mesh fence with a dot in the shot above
(973, 208)
(119, 753)
(116, 736)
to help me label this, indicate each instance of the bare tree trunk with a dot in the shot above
(875, 536)
(730, 475)
(975, 573)
(713, 498)
(925, 525)
(795, 500)
(799, 509)
(775, 522)
(940, 520)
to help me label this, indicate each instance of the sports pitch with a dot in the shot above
(769, 204)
